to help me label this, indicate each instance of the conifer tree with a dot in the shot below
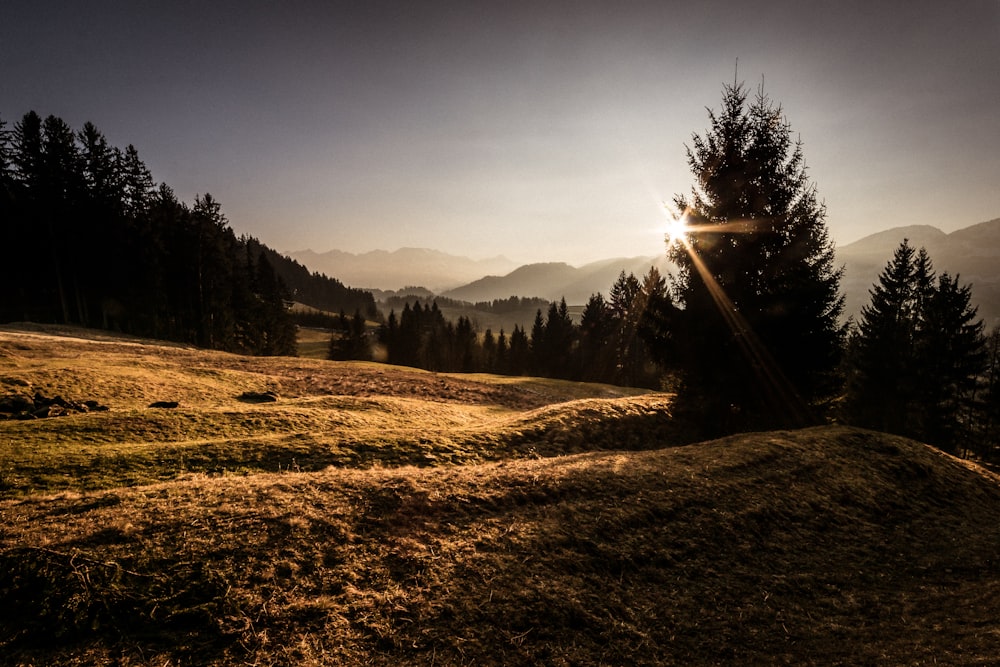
(538, 363)
(917, 355)
(558, 341)
(520, 351)
(503, 354)
(596, 329)
(989, 421)
(952, 353)
(756, 334)
(881, 381)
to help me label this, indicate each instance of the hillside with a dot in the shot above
(555, 280)
(379, 515)
(972, 252)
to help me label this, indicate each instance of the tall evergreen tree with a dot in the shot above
(596, 329)
(917, 355)
(538, 363)
(757, 292)
(881, 380)
(9, 225)
(952, 354)
(558, 341)
(520, 352)
(989, 421)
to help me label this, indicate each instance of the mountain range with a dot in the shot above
(557, 280)
(384, 270)
(973, 253)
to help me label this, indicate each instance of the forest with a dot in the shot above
(89, 239)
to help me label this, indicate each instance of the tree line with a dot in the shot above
(89, 239)
(608, 345)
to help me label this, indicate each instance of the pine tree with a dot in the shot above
(881, 380)
(503, 354)
(9, 229)
(558, 340)
(756, 332)
(538, 364)
(596, 329)
(520, 351)
(989, 427)
(916, 358)
(951, 353)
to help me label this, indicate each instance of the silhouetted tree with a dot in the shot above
(917, 354)
(558, 342)
(537, 362)
(756, 333)
(989, 419)
(489, 347)
(467, 350)
(520, 351)
(349, 340)
(596, 329)
(503, 354)
(882, 378)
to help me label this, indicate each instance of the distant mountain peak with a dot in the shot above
(391, 270)
(971, 252)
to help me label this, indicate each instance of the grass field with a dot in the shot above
(381, 515)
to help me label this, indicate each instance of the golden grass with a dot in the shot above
(328, 413)
(830, 546)
(313, 343)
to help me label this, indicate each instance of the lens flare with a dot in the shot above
(676, 231)
(771, 381)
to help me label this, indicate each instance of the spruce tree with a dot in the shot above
(881, 381)
(989, 420)
(596, 329)
(915, 359)
(538, 362)
(952, 355)
(519, 354)
(756, 331)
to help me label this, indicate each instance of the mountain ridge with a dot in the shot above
(972, 253)
(392, 270)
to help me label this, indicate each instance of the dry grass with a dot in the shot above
(313, 343)
(824, 546)
(328, 413)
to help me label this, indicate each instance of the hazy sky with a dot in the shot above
(541, 130)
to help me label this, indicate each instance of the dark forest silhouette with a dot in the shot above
(89, 239)
(606, 346)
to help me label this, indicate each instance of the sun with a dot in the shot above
(677, 231)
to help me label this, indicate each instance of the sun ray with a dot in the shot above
(772, 382)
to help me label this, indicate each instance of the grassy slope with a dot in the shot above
(340, 414)
(824, 546)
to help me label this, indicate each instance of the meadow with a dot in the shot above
(296, 511)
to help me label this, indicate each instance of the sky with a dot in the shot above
(541, 131)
